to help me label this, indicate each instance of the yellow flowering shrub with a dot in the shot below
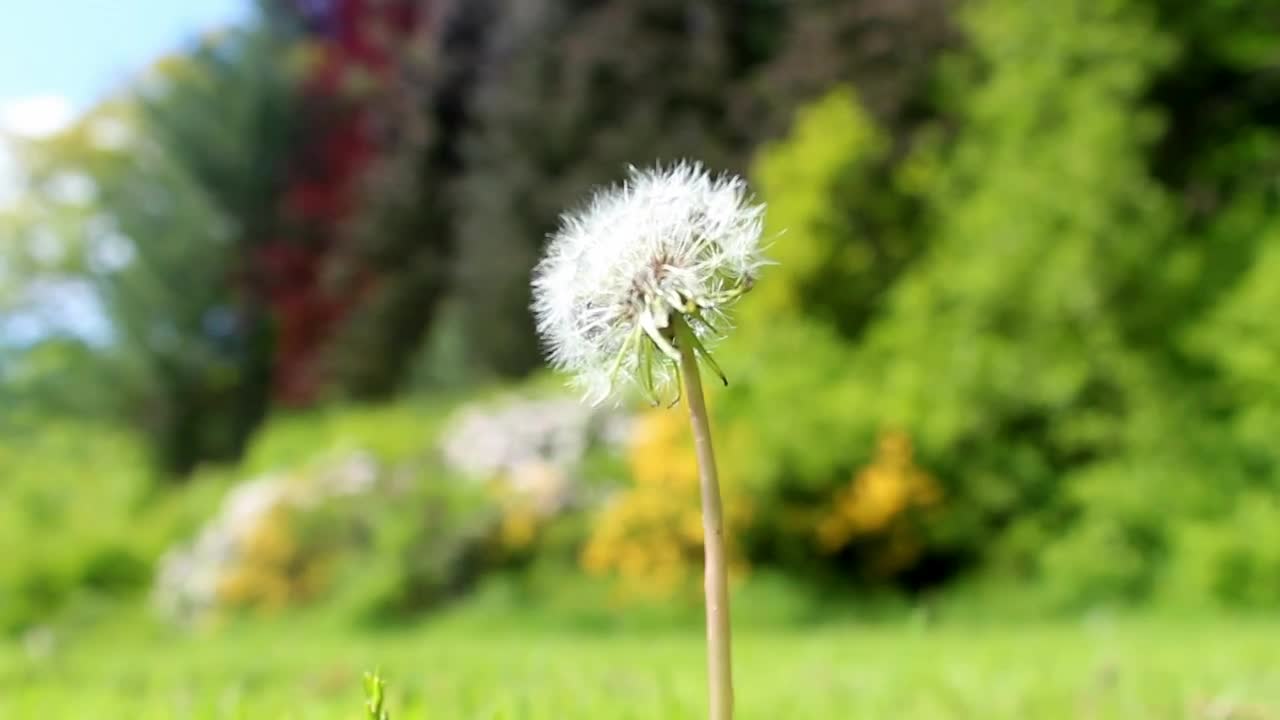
(875, 503)
(518, 527)
(527, 497)
(650, 537)
(277, 567)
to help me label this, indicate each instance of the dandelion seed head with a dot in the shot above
(668, 241)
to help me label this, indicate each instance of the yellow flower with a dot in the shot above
(650, 537)
(879, 496)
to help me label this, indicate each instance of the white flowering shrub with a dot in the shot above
(532, 446)
(193, 579)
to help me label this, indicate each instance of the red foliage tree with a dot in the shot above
(355, 46)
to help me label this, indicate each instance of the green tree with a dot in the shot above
(845, 219)
(1006, 350)
(179, 198)
(1014, 331)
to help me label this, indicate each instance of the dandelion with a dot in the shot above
(631, 292)
(673, 244)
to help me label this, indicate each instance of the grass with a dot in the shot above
(1132, 670)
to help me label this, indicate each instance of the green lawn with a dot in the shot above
(1130, 670)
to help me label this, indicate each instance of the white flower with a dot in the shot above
(669, 242)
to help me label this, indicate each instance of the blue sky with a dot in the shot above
(80, 49)
(58, 57)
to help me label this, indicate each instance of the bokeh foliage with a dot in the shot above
(1020, 335)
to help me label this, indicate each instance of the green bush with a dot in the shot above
(1232, 561)
(391, 432)
(1006, 303)
(427, 547)
(68, 496)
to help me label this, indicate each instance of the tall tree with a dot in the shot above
(570, 94)
(396, 257)
(1009, 348)
(181, 194)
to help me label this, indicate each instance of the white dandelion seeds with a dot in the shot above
(668, 242)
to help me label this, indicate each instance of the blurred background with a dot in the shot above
(265, 350)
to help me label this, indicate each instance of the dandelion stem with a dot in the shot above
(719, 662)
